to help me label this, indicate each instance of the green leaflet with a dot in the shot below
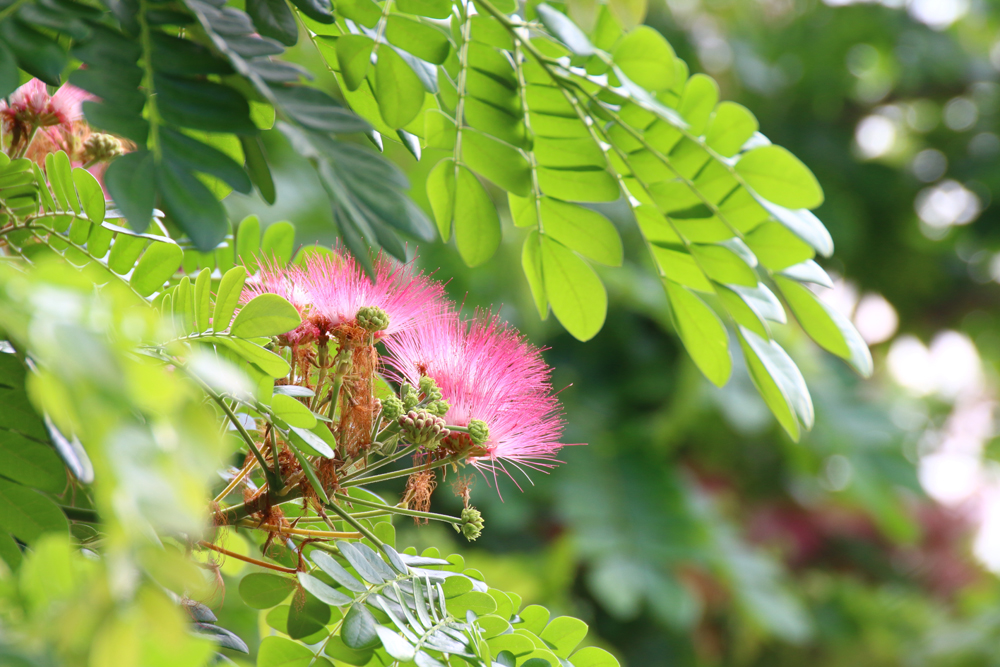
(780, 177)
(701, 331)
(293, 412)
(780, 383)
(228, 297)
(583, 230)
(730, 128)
(262, 590)
(265, 315)
(831, 330)
(646, 58)
(27, 514)
(398, 89)
(531, 263)
(157, 265)
(577, 296)
(354, 56)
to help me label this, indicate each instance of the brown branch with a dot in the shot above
(246, 559)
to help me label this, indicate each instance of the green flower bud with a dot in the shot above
(429, 388)
(392, 408)
(372, 318)
(99, 147)
(472, 523)
(479, 431)
(439, 408)
(410, 397)
(423, 428)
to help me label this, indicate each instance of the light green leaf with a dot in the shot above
(780, 177)
(313, 444)
(477, 225)
(327, 594)
(701, 94)
(281, 652)
(435, 9)
(480, 603)
(423, 40)
(583, 230)
(731, 126)
(630, 12)
(158, 263)
(358, 630)
(723, 265)
(91, 195)
(228, 297)
(441, 193)
(293, 412)
(267, 361)
(354, 53)
(124, 252)
(701, 331)
(831, 330)
(498, 161)
(398, 89)
(262, 590)
(646, 58)
(778, 380)
(776, 247)
(565, 30)
(341, 652)
(278, 242)
(577, 295)
(397, 647)
(439, 130)
(265, 315)
(591, 656)
(563, 634)
(680, 267)
(531, 263)
(586, 185)
(248, 241)
(202, 300)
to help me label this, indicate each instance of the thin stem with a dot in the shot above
(147, 65)
(392, 509)
(246, 559)
(247, 469)
(346, 516)
(272, 479)
(386, 461)
(454, 458)
(303, 532)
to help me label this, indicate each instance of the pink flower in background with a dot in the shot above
(328, 290)
(486, 371)
(54, 116)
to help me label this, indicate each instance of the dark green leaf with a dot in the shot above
(256, 163)
(202, 105)
(273, 18)
(9, 78)
(37, 54)
(117, 121)
(191, 205)
(307, 615)
(317, 10)
(327, 563)
(397, 647)
(318, 111)
(129, 180)
(30, 462)
(28, 514)
(196, 156)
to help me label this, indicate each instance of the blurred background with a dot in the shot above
(690, 530)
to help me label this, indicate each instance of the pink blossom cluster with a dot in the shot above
(485, 369)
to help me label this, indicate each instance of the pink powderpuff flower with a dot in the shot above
(328, 290)
(487, 371)
(32, 107)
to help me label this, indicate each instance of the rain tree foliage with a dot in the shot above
(571, 124)
(138, 399)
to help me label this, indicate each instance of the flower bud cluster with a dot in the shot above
(392, 408)
(423, 428)
(472, 523)
(100, 147)
(372, 318)
(479, 431)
